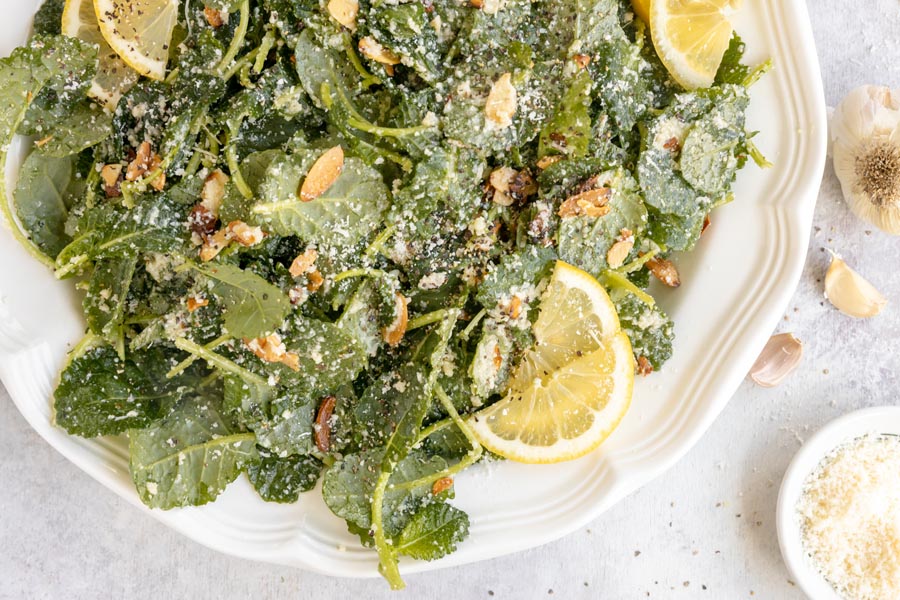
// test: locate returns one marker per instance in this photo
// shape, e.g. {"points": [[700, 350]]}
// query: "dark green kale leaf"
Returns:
{"points": [[571, 27], [61, 64], [189, 457], [66, 128], [101, 394], [155, 224], [584, 241], [48, 19], [253, 306], [568, 132], [105, 301], [43, 196], [526, 267], [349, 484], [433, 532], [650, 330], [346, 213], [406, 30], [732, 70], [282, 480]]}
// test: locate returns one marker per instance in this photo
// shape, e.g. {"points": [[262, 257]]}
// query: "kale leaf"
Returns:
{"points": [[433, 532]]}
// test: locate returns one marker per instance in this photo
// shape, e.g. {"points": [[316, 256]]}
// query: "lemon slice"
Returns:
{"points": [[573, 387], [691, 37], [113, 77], [139, 31], [642, 9]]}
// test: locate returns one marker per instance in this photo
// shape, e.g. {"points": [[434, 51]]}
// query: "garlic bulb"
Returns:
{"points": [[850, 293], [865, 133]]}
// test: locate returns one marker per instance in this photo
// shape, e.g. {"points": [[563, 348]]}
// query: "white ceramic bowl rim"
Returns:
{"points": [[882, 420]]}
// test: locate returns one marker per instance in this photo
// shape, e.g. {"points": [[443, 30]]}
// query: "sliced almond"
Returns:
{"points": [[393, 333], [779, 358], [665, 271], [546, 161], [213, 191], [111, 175], [502, 102], [214, 244], [214, 18], [618, 252], [314, 281], [850, 293], [291, 360], [344, 12], [194, 303], [373, 50], [592, 203], [644, 367], [304, 263], [441, 485], [324, 172], [270, 348], [43, 141], [502, 177], [514, 307], [582, 60], [141, 162], [245, 235], [322, 426]]}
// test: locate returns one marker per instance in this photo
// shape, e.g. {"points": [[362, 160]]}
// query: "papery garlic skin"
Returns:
{"points": [[865, 135]]}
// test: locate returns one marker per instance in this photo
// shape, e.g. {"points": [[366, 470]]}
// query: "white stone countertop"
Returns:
{"points": [[705, 529]]}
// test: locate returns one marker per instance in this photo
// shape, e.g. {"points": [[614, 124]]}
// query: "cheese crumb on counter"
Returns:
{"points": [[850, 518]]}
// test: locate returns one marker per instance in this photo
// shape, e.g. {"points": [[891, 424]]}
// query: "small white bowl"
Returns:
{"points": [[880, 420]]}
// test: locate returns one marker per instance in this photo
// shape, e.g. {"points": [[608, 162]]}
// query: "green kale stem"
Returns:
{"points": [[640, 261], [465, 333], [618, 281], [234, 168], [357, 121], [758, 157], [380, 240], [262, 52], [758, 72], [427, 319], [183, 365], [471, 457], [359, 273], [368, 79], [387, 555], [218, 361], [240, 35]]}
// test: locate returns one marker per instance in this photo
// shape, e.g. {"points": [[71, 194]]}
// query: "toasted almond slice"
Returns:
{"points": [[778, 359], [141, 163], [373, 50], [324, 172], [850, 293], [194, 303], [344, 12], [618, 252], [245, 235], [314, 281], [291, 360], [322, 427], [501, 103], [304, 263], [441, 485], [582, 60], [546, 161], [502, 177], [644, 367], [393, 333], [213, 191], [665, 271], [214, 244], [214, 18], [591, 203], [270, 348]]}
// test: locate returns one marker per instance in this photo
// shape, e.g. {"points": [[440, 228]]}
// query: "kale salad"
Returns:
{"points": [[312, 250]]}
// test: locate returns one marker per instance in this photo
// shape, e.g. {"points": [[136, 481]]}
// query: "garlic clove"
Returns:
{"points": [[865, 144], [850, 293], [778, 359]]}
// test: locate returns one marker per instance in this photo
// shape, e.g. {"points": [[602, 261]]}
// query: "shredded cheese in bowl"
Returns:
{"points": [[849, 515]]}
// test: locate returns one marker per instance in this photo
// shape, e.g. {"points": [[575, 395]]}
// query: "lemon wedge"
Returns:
{"points": [[113, 77], [642, 9], [139, 31], [573, 387], [691, 37]]}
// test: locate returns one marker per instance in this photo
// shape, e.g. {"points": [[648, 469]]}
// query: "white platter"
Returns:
{"points": [[881, 420], [736, 285]]}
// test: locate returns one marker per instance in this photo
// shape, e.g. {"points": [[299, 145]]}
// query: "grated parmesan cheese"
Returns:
{"points": [[850, 518]]}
